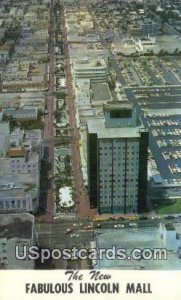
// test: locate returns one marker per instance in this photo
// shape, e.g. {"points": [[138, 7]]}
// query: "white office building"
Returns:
{"points": [[94, 70]]}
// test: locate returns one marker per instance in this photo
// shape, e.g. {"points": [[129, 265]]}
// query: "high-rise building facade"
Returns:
{"points": [[149, 27], [117, 160]]}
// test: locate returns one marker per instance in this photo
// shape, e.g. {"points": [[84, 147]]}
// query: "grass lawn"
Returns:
{"points": [[172, 208]]}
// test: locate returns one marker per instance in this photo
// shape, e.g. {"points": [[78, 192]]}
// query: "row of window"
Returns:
{"points": [[117, 147], [122, 154], [19, 171], [118, 196], [117, 202], [23, 166], [12, 204], [118, 165], [105, 179]]}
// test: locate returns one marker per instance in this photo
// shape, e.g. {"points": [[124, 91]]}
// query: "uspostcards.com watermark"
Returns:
{"points": [[74, 253]]}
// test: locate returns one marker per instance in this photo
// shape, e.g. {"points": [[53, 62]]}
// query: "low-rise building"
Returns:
{"points": [[169, 236], [5, 53], [94, 70], [28, 100], [17, 231], [4, 138], [19, 169], [100, 93], [21, 114], [19, 193]]}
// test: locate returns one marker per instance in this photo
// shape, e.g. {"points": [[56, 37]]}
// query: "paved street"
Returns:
{"points": [[82, 200], [53, 235], [48, 132]]}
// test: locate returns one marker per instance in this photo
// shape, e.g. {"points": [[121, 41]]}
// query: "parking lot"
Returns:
{"points": [[164, 124], [150, 71]]}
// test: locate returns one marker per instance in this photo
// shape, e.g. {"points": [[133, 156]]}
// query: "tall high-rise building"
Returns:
{"points": [[117, 160], [149, 27], [148, 3]]}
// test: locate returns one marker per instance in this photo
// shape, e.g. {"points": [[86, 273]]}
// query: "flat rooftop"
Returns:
{"points": [[85, 63], [101, 92], [16, 225], [170, 227], [24, 113], [86, 49], [117, 105], [144, 236], [98, 126], [17, 178], [166, 42]]}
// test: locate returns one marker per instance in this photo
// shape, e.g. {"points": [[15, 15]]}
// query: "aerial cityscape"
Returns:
{"points": [[90, 131]]}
